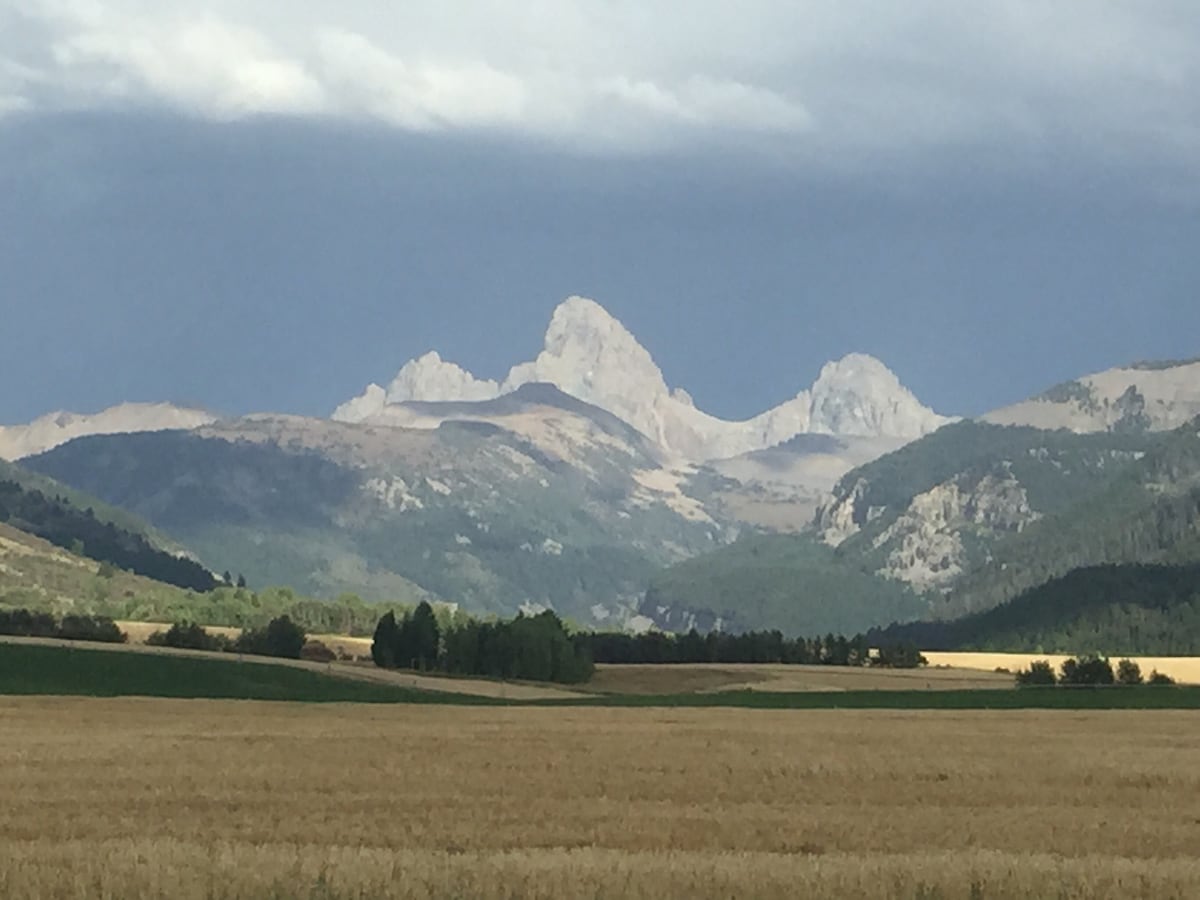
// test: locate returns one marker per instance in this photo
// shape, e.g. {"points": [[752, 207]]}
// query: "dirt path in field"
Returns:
{"points": [[357, 671]]}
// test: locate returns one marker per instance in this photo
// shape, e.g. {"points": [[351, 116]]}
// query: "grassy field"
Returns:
{"points": [[29, 666], [39, 668], [37, 575], [215, 799], [86, 673]]}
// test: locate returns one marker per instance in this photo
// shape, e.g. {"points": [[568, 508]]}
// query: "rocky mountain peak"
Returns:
{"points": [[859, 396], [590, 355], [432, 379]]}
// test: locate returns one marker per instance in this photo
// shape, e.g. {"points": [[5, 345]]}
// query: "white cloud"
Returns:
{"points": [[824, 81], [422, 95]]}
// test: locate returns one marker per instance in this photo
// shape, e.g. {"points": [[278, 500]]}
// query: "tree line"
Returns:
{"points": [[57, 520], [23, 623], [540, 648], [531, 648], [1088, 671], [748, 647], [280, 637]]}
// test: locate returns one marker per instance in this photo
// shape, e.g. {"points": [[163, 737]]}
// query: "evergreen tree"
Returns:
{"points": [[425, 636], [383, 645]]}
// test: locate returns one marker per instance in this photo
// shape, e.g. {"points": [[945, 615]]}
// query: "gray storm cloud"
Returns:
{"points": [[817, 81]]}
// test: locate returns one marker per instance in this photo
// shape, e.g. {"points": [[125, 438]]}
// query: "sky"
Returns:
{"points": [[267, 204]]}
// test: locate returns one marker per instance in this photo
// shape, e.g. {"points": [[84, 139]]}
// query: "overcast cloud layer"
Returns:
{"points": [[828, 84], [265, 204]]}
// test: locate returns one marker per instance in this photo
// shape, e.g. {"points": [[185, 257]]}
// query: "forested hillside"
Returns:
{"points": [[61, 523], [1148, 512], [1054, 467], [42, 578], [36, 481], [792, 583], [1113, 610], [467, 512]]}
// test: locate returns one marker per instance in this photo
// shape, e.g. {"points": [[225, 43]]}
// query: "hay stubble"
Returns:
{"points": [[235, 799]]}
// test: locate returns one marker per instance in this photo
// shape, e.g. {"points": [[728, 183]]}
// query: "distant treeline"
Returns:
{"points": [[1148, 610], [539, 648], [531, 648], [280, 637], [1089, 671], [58, 521], [747, 647], [23, 623]]}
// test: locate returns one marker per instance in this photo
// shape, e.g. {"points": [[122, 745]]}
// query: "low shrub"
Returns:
{"points": [[1087, 671], [315, 651], [1039, 673], [1129, 673], [189, 636], [282, 637]]}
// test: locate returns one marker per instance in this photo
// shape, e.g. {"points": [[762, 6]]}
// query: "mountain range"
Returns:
{"points": [[583, 482], [589, 355]]}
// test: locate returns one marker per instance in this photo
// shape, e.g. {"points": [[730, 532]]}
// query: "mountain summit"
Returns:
{"points": [[590, 355]]}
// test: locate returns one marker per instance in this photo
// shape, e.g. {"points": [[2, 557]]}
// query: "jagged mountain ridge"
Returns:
{"points": [[977, 511], [533, 499], [962, 520], [590, 355], [623, 495]]}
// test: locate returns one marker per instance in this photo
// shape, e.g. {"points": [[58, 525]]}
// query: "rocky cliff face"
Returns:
{"points": [[53, 429], [926, 546], [592, 356], [938, 508]]}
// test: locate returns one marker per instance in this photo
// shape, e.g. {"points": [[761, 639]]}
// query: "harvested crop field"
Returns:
{"points": [[190, 799], [684, 678]]}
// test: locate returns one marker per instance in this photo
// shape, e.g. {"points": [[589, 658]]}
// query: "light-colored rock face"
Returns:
{"points": [[53, 429], [925, 546], [1133, 399], [593, 357], [589, 354], [860, 396]]}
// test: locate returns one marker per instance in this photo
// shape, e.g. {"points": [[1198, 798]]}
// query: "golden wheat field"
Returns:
{"points": [[1184, 669], [133, 798]]}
